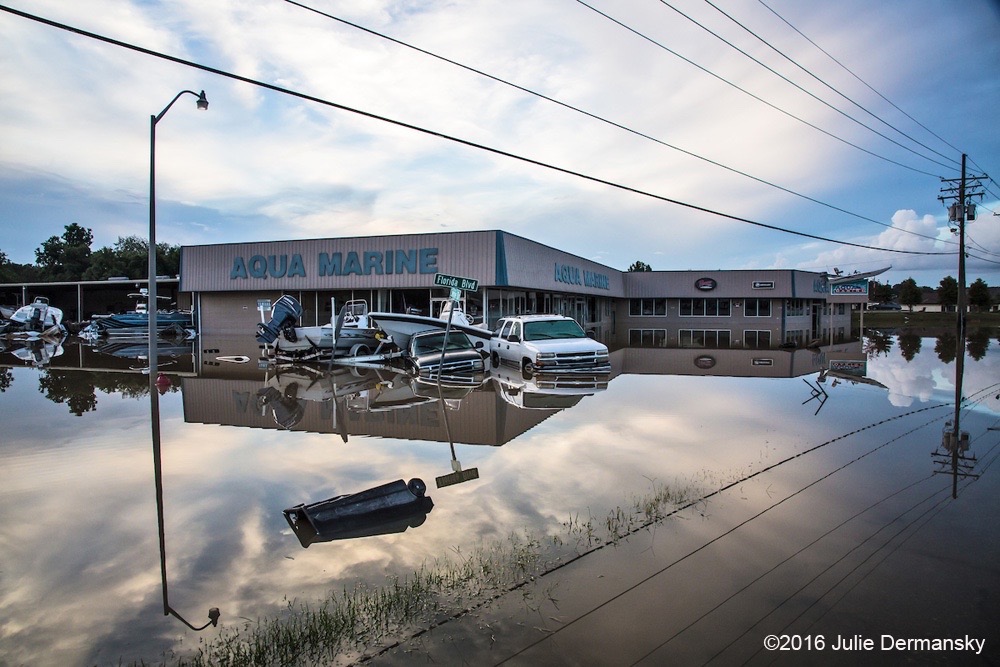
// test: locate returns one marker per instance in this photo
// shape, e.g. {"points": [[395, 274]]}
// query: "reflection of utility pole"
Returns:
{"points": [[954, 458], [817, 393], [154, 408]]}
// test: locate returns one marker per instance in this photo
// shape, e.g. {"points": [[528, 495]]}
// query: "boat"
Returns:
{"points": [[400, 327], [37, 319], [136, 322], [349, 335]]}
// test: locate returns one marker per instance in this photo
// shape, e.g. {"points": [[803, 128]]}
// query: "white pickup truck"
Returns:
{"points": [[547, 344]]}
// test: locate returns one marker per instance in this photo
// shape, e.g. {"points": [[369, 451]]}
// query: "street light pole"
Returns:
{"points": [[151, 297]]}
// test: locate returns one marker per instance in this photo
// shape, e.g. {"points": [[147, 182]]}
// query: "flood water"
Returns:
{"points": [[697, 504]]}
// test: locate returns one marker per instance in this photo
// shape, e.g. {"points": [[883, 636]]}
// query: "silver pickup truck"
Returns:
{"points": [[547, 344]]}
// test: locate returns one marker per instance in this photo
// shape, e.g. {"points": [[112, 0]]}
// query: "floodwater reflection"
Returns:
{"points": [[688, 507]]}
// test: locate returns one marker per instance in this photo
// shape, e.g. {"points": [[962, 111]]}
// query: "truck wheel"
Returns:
{"points": [[495, 360], [527, 369]]}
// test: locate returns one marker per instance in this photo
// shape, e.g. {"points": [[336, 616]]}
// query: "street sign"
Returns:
{"points": [[456, 282], [263, 304]]}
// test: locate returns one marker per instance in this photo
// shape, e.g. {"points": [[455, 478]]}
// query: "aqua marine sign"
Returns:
{"points": [[572, 275], [365, 263]]}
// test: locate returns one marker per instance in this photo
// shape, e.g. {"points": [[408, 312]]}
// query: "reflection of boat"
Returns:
{"points": [[136, 322], [401, 326], [351, 389], [38, 351], [381, 510], [349, 335], [36, 319], [138, 348]]}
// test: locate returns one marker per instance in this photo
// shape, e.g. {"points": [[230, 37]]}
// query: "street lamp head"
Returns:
{"points": [[202, 101]]}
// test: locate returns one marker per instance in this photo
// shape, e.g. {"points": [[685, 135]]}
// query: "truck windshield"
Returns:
{"points": [[432, 342], [550, 329]]}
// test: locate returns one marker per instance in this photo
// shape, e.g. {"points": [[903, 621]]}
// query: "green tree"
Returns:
{"points": [[909, 294], [66, 257], [879, 292], [639, 265], [979, 295], [130, 257], [948, 293]]}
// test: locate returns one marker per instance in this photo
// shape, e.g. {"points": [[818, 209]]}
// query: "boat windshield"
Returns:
{"points": [[432, 342], [552, 329]]}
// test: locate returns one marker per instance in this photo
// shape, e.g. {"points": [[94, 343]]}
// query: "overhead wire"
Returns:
{"points": [[750, 94], [862, 81], [448, 137], [807, 92], [754, 517], [600, 118]]}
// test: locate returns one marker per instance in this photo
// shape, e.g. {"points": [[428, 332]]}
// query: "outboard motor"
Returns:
{"points": [[37, 320], [284, 314]]}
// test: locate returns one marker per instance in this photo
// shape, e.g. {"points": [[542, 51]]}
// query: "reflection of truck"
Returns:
{"points": [[547, 344], [546, 392]]}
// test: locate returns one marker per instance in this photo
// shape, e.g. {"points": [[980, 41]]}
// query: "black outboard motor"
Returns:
{"points": [[285, 313]]}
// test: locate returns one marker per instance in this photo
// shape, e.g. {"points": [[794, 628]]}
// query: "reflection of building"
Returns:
{"points": [[482, 418], [740, 363]]}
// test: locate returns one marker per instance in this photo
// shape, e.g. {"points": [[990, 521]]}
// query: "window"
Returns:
{"points": [[705, 307], [757, 308], [796, 307], [703, 338], [647, 337], [647, 307], [757, 339]]}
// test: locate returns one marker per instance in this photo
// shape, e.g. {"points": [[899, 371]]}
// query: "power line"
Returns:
{"points": [[848, 70], [747, 92], [602, 119], [452, 138], [832, 88]]}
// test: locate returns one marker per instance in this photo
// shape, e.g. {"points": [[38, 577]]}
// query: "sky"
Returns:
{"points": [[687, 134]]}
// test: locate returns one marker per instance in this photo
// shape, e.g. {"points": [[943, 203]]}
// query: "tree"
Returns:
{"points": [[879, 292], [66, 257], [948, 293], [909, 294], [639, 265], [130, 257], [979, 295]]}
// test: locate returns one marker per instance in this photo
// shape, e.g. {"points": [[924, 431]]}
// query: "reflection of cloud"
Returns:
{"points": [[89, 485], [924, 379]]}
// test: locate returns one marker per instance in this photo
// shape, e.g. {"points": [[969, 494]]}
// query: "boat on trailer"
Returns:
{"points": [[35, 320], [349, 335], [400, 327], [136, 322]]}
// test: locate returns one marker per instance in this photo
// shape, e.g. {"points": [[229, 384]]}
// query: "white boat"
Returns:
{"points": [[350, 335], [36, 319], [401, 326]]}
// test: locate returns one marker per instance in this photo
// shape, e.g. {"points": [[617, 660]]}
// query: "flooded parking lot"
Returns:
{"points": [[698, 507]]}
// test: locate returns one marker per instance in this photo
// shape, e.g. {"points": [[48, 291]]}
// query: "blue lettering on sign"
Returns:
{"points": [[572, 275], [352, 263]]}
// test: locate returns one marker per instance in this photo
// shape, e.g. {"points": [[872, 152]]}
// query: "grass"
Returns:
{"points": [[905, 318], [350, 624]]}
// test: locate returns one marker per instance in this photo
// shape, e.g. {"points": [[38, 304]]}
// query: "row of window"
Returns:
{"points": [[716, 307], [697, 338]]}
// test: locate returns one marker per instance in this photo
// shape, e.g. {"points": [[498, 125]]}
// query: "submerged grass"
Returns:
{"points": [[351, 623]]}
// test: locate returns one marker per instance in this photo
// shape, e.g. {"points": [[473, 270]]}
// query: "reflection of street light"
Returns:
{"points": [[152, 298], [213, 613]]}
